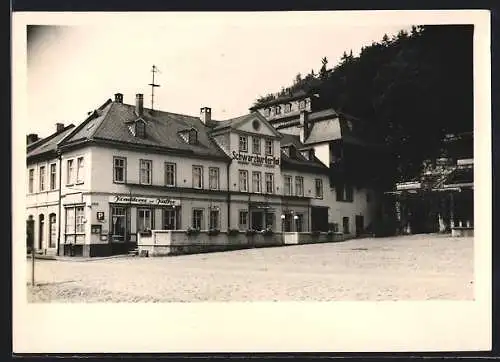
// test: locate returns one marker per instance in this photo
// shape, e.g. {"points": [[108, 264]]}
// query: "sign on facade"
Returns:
{"points": [[259, 160], [144, 200], [100, 215]]}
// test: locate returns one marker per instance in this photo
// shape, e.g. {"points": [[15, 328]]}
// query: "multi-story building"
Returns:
{"points": [[126, 169]]}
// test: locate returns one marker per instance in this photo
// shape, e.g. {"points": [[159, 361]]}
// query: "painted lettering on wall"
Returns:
{"points": [[268, 160], [144, 200]]}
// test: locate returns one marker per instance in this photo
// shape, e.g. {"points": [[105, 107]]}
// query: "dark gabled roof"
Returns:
{"points": [[48, 144], [111, 123], [296, 160]]}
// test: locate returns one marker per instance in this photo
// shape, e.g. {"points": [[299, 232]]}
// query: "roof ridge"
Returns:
{"points": [[43, 141]]}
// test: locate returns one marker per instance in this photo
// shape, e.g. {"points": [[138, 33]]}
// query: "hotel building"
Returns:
{"points": [[93, 187]]}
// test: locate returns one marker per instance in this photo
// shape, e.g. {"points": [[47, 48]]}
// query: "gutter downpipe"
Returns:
{"points": [[59, 204], [228, 198]]}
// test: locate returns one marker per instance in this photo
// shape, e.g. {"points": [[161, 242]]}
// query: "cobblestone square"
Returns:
{"points": [[418, 267]]}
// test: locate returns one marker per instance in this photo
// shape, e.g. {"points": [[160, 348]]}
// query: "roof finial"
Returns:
{"points": [[153, 85]]}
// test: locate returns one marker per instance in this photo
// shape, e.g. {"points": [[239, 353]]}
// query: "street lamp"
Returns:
{"points": [[282, 222]]}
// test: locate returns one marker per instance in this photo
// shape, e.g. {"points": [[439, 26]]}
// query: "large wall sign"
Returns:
{"points": [[144, 200], [268, 160]]}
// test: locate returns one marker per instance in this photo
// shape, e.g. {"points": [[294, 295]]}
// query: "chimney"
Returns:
{"points": [[304, 126], [32, 137], [139, 104], [118, 97], [206, 115], [59, 127]]}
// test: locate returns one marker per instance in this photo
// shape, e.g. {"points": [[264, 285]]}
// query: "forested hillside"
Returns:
{"points": [[415, 87]]}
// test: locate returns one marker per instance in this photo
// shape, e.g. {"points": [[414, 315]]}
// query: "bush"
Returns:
{"points": [[213, 232], [233, 232], [192, 231], [267, 232]]}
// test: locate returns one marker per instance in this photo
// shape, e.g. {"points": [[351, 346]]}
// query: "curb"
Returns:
{"points": [[79, 258]]}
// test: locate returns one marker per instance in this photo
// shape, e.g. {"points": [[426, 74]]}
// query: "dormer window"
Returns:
{"points": [[288, 107], [302, 104], [278, 110], [140, 129], [305, 154], [193, 137], [286, 151], [267, 112]]}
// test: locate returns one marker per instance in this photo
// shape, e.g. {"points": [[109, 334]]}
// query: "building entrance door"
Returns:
{"points": [[319, 219], [359, 224], [257, 220], [30, 232]]}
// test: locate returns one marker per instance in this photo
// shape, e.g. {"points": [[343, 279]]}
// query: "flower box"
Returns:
{"points": [[145, 233], [233, 232], [213, 232], [192, 231], [250, 232]]}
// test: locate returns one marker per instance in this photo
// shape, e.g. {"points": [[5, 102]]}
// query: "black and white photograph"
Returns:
{"points": [[263, 166]]}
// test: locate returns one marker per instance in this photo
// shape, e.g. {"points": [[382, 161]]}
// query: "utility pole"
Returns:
{"points": [[153, 85]]}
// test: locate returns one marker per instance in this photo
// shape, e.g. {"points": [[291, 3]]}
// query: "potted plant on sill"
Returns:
{"points": [[213, 232], [233, 232], [145, 232], [192, 231]]}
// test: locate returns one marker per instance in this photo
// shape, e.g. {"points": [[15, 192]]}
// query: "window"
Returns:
{"points": [[256, 145], [267, 112], [198, 177], [193, 137], [70, 172], [299, 186], [243, 144], [214, 219], [344, 192], [302, 104], [345, 225], [298, 223], [288, 185], [53, 176], [75, 220], [169, 219], [243, 176], [278, 110], [42, 178], [197, 218], [79, 170], [80, 219], [286, 151], [243, 220], [120, 222], [213, 178], [144, 219], [119, 168], [145, 172], [140, 129], [318, 183], [256, 181], [269, 183], [288, 108], [31, 180], [269, 147], [170, 174], [269, 220]]}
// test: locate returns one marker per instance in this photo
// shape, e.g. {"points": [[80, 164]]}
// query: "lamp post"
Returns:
{"points": [[295, 218], [282, 222]]}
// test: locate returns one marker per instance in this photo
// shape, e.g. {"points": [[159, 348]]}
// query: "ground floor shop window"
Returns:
{"points": [[214, 219], [243, 220], [170, 219], [75, 221], [299, 220], [120, 227], [197, 219], [270, 220], [144, 220]]}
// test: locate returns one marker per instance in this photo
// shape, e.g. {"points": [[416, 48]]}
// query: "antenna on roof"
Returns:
{"points": [[153, 85]]}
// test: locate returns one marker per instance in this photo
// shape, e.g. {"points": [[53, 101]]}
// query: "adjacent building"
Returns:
{"points": [[125, 169]]}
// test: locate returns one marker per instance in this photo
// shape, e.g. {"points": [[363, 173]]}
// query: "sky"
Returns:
{"points": [[220, 61]]}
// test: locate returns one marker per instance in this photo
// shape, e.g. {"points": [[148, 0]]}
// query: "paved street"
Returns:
{"points": [[418, 267]]}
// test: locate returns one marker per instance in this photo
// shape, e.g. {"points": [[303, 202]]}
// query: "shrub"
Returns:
{"points": [[250, 232], [267, 232], [213, 232], [192, 231]]}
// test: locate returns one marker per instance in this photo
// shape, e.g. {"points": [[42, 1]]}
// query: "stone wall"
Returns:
{"points": [[175, 242]]}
